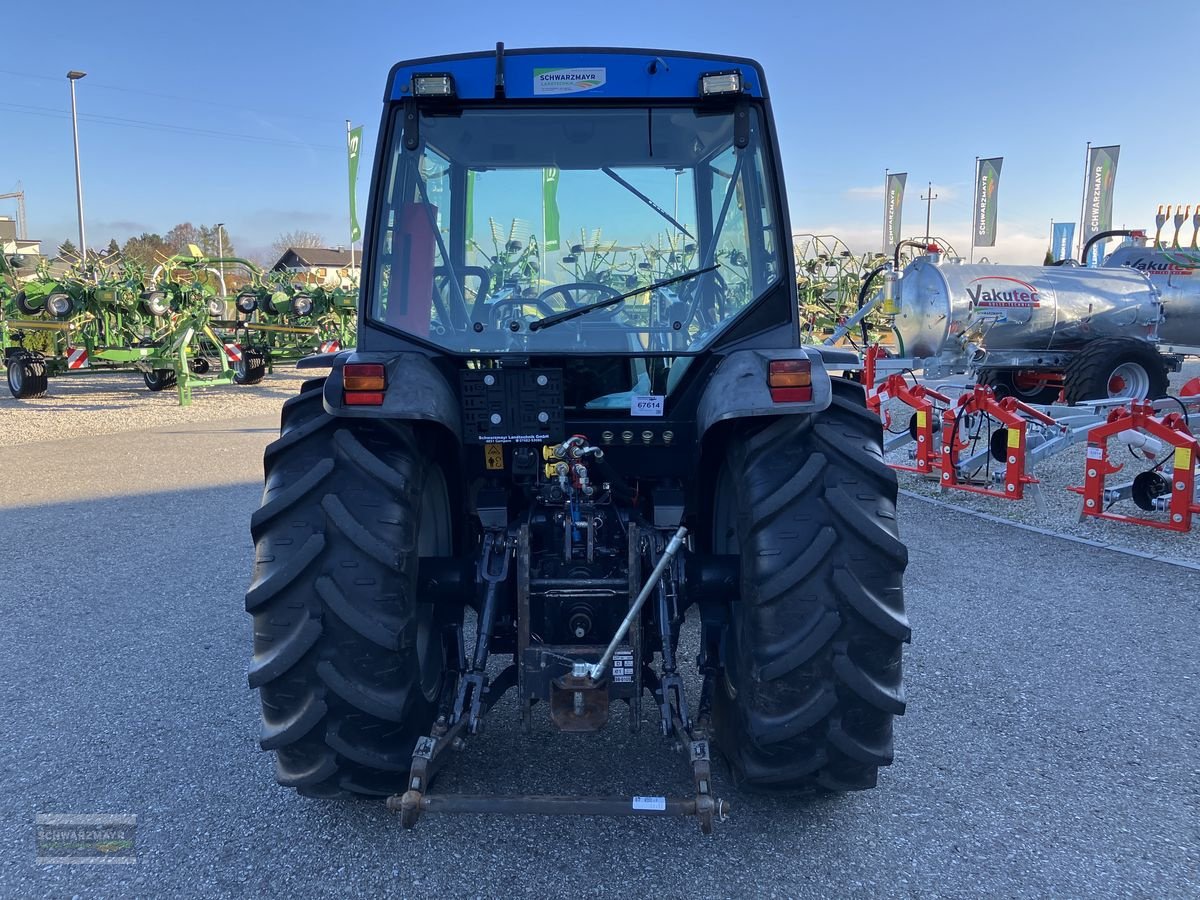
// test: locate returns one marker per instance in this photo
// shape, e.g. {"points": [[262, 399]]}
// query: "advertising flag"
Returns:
{"points": [[550, 208], [1062, 239], [987, 182], [893, 201], [353, 145], [1098, 197]]}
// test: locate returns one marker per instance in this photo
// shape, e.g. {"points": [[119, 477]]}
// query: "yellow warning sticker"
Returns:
{"points": [[493, 456], [922, 416], [1014, 437], [1183, 458]]}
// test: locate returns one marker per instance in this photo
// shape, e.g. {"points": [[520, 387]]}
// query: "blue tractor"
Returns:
{"points": [[579, 413]]}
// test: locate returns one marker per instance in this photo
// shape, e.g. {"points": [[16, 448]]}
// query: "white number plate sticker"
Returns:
{"points": [[646, 405], [656, 803]]}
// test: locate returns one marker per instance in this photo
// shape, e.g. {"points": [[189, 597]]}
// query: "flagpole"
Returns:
{"points": [[350, 271], [885, 211], [1087, 155], [975, 211]]}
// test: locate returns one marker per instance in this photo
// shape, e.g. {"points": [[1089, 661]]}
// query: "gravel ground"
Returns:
{"points": [[1061, 514], [111, 402], [1048, 749]]}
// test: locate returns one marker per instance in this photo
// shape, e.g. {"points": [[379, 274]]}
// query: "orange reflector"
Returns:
{"points": [[363, 377], [791, 379]]}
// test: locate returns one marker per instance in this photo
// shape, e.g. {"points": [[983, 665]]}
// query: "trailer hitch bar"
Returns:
{"points": [[550, 805]]}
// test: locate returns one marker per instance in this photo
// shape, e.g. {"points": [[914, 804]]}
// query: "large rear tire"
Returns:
{"points": [[1115, 367], [813, 657], [347, 662]]}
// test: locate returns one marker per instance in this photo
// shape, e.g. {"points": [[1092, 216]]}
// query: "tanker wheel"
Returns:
{"points": [[160, 379], [1024, 384], [347, 662], [251, 368], [27, 376], [1118, 368], [812, 660]]}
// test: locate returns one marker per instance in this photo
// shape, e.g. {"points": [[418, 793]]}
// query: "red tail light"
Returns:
{"points": [[790, 380], [364, 384]]}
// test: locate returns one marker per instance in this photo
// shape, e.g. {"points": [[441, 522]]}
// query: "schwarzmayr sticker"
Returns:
{"points": [[567, 81]]}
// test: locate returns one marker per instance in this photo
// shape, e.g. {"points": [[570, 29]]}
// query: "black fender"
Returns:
{"points": [[738, 388], [416, 391]]}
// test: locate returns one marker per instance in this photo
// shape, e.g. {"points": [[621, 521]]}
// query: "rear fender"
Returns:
{"points": [[416, 391], [738, 389]]}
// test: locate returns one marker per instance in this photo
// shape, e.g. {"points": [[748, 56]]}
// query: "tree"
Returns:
{"points": [[296, 239], [147, 249], [66, 248], [112, 248], [181, 235], [1049, 260]]}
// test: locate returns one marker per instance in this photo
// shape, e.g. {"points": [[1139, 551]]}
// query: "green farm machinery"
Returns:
{"points": [[171, 324], [279, 320], [115, 316]]}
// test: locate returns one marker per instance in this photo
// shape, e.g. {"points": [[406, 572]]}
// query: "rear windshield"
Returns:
{"points": [[502, 217]]}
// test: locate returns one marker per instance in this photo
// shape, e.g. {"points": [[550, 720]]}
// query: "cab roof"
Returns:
{"points": [[565, 73]]}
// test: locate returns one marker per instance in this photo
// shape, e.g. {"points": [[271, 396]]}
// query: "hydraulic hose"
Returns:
{"points": [[1105, 235], [862, 298], [908, 242]]}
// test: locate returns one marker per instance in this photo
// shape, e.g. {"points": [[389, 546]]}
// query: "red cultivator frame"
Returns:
{"points": [[1151, 489]]}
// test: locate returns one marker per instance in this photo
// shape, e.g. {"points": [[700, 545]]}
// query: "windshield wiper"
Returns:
{"points": [[568, 314]]}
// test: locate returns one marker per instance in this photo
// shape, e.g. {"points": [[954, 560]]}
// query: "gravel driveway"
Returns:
{"points": [[1049, 748]]}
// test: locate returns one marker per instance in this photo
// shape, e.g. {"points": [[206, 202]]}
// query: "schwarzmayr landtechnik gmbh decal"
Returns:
{"points": [[568, 81]]}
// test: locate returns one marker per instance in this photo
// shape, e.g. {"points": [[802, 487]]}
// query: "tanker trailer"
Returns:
{"points": [[1030, 331], [1175, 273]]}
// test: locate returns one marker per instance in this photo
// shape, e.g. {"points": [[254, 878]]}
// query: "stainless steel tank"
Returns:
{"points": [[1176, 274], [944, 305]]}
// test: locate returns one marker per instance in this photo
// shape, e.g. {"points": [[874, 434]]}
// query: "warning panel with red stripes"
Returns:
{"points": [[77, 358], [331, 346], [234, 352]]}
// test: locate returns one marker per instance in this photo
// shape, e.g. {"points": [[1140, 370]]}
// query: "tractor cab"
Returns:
{"points": [[619, 205]]}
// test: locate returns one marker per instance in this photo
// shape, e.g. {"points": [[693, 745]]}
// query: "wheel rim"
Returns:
{"points": [[1129, 381], [16, 376]]}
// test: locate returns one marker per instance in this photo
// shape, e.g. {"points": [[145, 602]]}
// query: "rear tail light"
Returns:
{"points": [[790, 380], [364, 384]]}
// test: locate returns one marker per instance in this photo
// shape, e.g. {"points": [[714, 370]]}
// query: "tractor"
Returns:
{"points": [[559, 487]]}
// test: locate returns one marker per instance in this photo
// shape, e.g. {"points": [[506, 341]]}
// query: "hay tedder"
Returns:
{"points": [[527, 479], [172, 324]]}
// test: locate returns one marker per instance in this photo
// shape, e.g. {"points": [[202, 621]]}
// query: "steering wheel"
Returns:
{"points": [[570, 299]]}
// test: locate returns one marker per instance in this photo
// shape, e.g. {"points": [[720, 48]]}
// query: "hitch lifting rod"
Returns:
{"points": [[594, 672]]}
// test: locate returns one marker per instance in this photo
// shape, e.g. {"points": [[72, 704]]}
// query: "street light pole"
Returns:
{"points": [[221, 256], [74, 76]]}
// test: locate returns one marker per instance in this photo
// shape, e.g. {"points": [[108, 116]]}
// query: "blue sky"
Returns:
{"points": [[186, 118]]}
